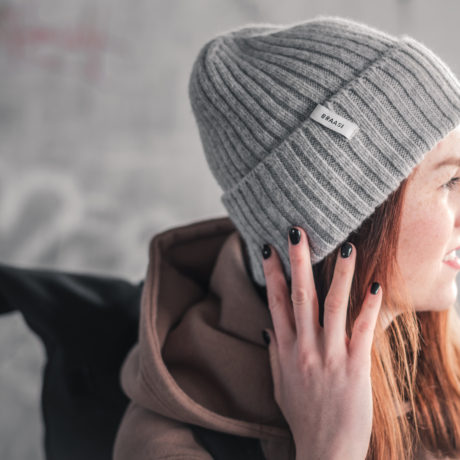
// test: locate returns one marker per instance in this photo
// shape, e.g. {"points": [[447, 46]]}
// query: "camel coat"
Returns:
{"points": [[200, 362]]}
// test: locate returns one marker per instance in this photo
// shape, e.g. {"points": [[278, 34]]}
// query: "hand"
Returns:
{"points": [[321, 377]]}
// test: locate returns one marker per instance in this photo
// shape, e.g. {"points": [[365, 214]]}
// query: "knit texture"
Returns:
{"points": [[253, 91]]}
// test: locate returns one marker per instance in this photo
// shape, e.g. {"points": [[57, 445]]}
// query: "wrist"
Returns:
{"points": [[305, 453]]}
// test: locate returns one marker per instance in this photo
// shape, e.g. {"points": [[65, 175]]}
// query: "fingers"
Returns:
{"points": [[303, 289], [336, 302], [362, 334], [295, 315], [278, 297], [274, 363]]}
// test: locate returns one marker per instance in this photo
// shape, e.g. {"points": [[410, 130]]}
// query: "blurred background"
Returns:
{"points": [[98, 147]]}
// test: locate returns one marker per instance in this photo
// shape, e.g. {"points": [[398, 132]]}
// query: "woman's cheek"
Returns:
{"points": [[423, 236]]}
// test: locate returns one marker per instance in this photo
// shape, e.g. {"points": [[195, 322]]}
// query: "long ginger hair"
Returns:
{"points": [[415, 359]]}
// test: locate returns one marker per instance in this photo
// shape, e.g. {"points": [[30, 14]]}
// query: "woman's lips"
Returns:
{"points": [[453, 263]]}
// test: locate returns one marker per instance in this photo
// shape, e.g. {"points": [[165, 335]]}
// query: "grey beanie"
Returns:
{"points": [[315, 124]]}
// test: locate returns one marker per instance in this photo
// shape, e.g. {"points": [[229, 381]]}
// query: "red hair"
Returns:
{"points": [[416, 359]]}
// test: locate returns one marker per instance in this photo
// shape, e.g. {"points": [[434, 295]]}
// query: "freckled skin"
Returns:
{"points": [[430, 228]]}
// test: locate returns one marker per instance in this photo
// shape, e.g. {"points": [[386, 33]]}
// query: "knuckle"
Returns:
{"points": [[332, 304], [276, 297], [276, 301], [332, 361], [299, 296], [306, 360], [362, 325], [329, 363]]}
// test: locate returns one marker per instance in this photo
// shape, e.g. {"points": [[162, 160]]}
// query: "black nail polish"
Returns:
{"points": [[345, 250], [294, 235], [375, 287], [266, 336], [266, 251]]}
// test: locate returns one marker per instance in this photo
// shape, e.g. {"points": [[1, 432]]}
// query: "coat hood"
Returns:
{"points": [[200, 358]]}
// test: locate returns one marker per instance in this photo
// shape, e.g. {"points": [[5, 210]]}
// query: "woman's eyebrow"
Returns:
{"points": [[446, 162]]}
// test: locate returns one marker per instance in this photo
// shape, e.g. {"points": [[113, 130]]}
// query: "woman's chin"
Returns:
{"points": [[441, 302]]}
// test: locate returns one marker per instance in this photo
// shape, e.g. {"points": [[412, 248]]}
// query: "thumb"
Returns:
{"points": [[270, 339]]}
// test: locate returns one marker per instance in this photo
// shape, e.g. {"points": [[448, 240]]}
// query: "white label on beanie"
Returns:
{"points": [[334, 121]]}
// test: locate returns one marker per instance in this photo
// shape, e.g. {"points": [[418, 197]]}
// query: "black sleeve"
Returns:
{"points": [[87, 324]]}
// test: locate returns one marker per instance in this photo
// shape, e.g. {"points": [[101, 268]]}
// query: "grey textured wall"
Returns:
{"points": [[98, 147]]}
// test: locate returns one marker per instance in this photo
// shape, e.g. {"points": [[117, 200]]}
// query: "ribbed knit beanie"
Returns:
{"points": [[315, 124]]}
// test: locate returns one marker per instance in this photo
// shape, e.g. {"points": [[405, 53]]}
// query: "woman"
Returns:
{"points": [[429, 229], [330, 132]]}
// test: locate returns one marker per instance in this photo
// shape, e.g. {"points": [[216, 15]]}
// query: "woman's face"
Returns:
{"points": [[430, 227]]}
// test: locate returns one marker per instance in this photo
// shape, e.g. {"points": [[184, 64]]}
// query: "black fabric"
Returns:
{"points": [[224, 446], [87, 324]]}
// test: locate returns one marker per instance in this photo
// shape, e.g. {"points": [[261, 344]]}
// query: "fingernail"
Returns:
{"points": [[345, 250], [266, 251], [266, 336], [294, 235], [375, 287]]}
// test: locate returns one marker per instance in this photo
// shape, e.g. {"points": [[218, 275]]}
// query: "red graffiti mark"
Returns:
{"points": [[27, 41], [66, 39]]}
